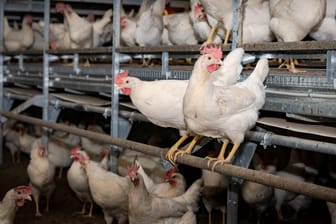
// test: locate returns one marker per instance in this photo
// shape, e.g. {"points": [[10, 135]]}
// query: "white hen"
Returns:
{"points": [[41, 174], [108, 190], [326, 30], [149, 26], [219, 110], [12, 200]]}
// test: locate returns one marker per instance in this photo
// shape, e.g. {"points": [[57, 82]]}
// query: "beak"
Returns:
{"points": [[28, 197]]}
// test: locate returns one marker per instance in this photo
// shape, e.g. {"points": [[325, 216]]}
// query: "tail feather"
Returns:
{"points": [[191, 197], [261, 70]]}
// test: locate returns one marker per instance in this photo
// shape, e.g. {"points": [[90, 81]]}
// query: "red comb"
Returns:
{"points": [[59, 6], [170, 173], [104, 151], [25, 189], [198, 8], [213, 49], [75, 149], [132, 170], [40, 145], [119, 78]]}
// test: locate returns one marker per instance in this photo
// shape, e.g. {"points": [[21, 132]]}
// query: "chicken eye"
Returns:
{"points": [[209, 58], [127, 81], [19, 192]]}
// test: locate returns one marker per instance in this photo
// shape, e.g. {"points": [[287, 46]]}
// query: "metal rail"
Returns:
{"points": [[312, 190]]}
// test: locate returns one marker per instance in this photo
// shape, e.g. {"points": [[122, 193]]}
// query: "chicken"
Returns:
{"points": [[58, 151], [332, 210], [180, 30], [256, 22], [216, 109], [200, 23], [99, 26], [214, 192], [80, 30], [67, 138], [256, 195], [174, 184], [11, 142], [227, 74], [148, 208], [293, 20], [188, 218], [149, 26], [219, 15], [78, 180], [41, 174], [22, 39], [92, 147], [108, 190], [13, 199], [326, 30], [127, 31]]}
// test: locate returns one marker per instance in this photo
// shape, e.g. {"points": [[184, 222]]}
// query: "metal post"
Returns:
{"points": [[235, 23], [45, 115], [2, 4], [115, 70], [165, 63], [331, 67]]}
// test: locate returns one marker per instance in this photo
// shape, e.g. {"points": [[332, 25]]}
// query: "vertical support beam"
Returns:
{"points": [[331, 67], [2, 6], [45, 113], [114, 91], [165, 64], [235, 23]]}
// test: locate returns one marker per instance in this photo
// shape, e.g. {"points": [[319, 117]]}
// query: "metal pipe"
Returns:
{"points": [[268, 138], [2, 4], [300, 187]]}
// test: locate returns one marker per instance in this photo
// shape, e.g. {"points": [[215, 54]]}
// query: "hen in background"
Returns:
{"points": [[149, 26], [78, 180], [13, 199], [326, 30], [148, 208], [41, 174], [80, 30], [200, 23], [173, 185], [21, 39], [108, 190], [214, 192], [293, 20]]}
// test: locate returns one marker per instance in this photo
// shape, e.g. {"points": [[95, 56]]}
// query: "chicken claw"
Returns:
{"points": [[174, 148], [189, 148], [228, 159], [221, 153]]}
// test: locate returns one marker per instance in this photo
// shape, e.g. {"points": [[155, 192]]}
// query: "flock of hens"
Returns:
{"points": [[211, 103]]}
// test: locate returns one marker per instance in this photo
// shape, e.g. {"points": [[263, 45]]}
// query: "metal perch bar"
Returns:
{"points": [[313, 190]]}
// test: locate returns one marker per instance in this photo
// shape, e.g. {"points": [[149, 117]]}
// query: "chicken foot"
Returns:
{"points": [[174, 148], [210, 37], [228, 159], [37, 207], [221, 153], [227, 36], [189, 149], [290, 65]]}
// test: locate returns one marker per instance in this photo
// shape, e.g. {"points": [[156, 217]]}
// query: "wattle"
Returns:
{"points": [[212, 67], [126, 91]]}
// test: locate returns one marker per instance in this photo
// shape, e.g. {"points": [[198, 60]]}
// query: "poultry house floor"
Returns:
{"points": [[64, 204]]}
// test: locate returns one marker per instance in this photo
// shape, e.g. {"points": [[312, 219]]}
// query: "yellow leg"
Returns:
{"points": [[37, 207], [227, 36], [223, 217], [189, 148], [174, 148], [83, 209], [221, 153], [90, 211], [210, 217], [210, 37], [47, 207], [228, 158]]}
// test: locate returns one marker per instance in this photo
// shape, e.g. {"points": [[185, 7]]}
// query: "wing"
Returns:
{"points": [[234, 99]]}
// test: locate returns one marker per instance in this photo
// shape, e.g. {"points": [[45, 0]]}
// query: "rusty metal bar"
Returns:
{"points": [[312, 190]]}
